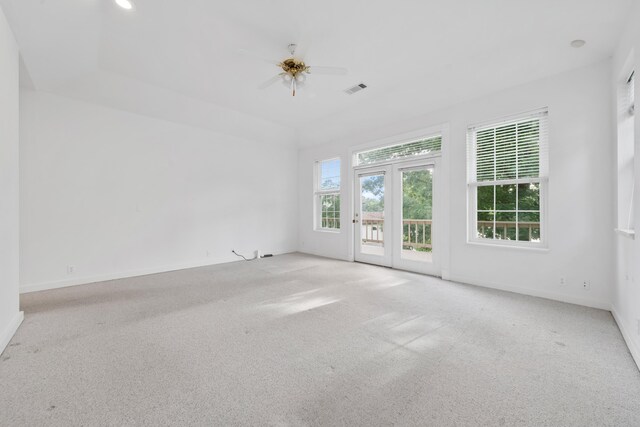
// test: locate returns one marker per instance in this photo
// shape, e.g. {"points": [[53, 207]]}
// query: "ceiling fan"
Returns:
{"points": [[294, 71]]}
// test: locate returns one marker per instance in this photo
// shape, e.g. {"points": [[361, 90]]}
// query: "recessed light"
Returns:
{"points": [[125, 4], [578, 43]]}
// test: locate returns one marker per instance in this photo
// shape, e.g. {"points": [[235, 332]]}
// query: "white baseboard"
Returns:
{"points": [[57, 284], [10, 330], [587, 302], [634, 349]]}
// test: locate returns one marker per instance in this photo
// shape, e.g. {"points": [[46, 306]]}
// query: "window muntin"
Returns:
{"points": [[327, 195], [507, 172], [418, 147]]}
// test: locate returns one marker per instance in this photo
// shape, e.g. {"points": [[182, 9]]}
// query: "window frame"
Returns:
{"points": [[630, 89], [626, 153], [399, 143], [542, 180], [318, 193]]}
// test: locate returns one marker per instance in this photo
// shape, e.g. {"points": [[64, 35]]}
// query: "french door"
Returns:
{"points": [[395, 216]]}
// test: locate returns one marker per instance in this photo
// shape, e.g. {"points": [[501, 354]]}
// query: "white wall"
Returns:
{"points": [[580, 190], [10, 316], [117, 194], [626, 294]]}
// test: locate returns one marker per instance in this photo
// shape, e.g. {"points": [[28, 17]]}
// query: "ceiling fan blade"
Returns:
{"points": [[336, 71], [271, 81], [258, 56]]}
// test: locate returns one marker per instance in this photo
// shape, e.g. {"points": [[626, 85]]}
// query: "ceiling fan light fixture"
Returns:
{"points": [[294, 71], [125, 4]]}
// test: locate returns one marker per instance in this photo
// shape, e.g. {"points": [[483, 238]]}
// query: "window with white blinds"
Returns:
{"points": [[507, 172], [418, 147]]}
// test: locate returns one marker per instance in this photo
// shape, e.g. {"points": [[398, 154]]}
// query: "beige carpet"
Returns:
{"points": [[299, 340]]}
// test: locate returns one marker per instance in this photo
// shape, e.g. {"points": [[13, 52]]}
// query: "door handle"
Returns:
{"points": [[355, 220]]}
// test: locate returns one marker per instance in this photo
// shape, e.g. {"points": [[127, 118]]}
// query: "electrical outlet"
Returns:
{"points": [[71, 269], [563, 281], [208, 254], [586, 285]]}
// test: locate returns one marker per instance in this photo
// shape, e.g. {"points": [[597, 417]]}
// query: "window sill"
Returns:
{"points": [[539, 249], [327, 230], [626, 232]]}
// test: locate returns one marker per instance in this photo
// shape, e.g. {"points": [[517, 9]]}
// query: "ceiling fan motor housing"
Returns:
{"points": [[293, 66]]}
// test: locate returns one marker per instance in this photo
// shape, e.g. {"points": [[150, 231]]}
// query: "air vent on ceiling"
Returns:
{"points": [[356, 88]]}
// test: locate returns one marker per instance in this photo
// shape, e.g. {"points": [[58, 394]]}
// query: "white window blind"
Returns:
{"points": [[507, 170], [509, 151], [398, 151]]}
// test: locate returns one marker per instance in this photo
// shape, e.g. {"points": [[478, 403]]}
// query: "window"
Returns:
{"points": [[507, 176], [631, 93], [327, 195], [414, 148], [626, 154]]}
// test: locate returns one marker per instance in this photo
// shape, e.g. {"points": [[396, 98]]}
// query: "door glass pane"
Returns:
{"points": [[372, 218], [417, 214]]}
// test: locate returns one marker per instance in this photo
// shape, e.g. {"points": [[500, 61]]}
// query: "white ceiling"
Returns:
{"points": [[430, 53]]}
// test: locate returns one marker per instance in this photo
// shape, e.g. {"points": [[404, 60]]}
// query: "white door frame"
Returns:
{"points": [[393, 214]]}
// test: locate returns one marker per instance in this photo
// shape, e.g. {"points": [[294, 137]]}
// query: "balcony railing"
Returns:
{"points": [[416, 232], [531, 229]]}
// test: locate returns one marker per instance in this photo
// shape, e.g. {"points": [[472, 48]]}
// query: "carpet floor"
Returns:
{"points": [[300, 340]]}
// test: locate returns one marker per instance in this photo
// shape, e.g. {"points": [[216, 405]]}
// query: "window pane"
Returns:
{"points": [[505, 197], [529, 226], [506, 152], [506, 225], [529, 149], [509, 217], [372, 222], [485, 198], [329, 175], [413, 148], [485, 155], [330, 214], [417, 214], [529, 197], [485, 225]]}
